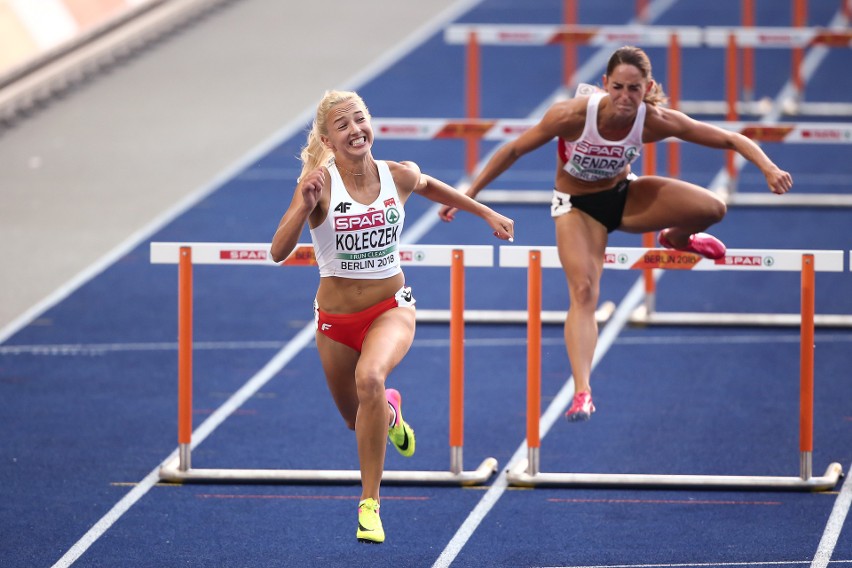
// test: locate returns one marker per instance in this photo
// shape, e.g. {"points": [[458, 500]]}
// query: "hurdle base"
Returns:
{"points": [[641, 316], [171, 472], [519, 477]]}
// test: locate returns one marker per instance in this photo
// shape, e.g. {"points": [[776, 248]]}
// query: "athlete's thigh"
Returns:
{"points": [[387, 341], [338, 363], [656, 202], [581, 242]]}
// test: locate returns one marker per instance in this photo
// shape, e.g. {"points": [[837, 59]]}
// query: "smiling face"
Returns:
{"points": [[348, 128]]}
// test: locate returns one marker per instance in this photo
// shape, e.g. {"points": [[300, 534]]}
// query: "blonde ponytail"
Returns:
{"points": [[315, 154]]}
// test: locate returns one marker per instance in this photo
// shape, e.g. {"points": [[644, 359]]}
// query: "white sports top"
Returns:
{"points": [[357, 240], [592, 157]]}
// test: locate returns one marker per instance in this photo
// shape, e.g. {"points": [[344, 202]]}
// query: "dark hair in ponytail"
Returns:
{"points": [[631, 55]]}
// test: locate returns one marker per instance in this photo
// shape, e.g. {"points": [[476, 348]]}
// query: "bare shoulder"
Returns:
{"points": [[662, 122], [568, 112], [564, 119], [406, 174]]}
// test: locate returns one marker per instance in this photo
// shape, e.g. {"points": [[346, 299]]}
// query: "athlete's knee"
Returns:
{"points": [[715, 210], [583, 292], [370, 384]]}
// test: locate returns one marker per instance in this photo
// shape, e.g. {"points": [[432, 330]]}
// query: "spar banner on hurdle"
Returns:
{"points": [[637, 258], [507, 129], [303, 254]]}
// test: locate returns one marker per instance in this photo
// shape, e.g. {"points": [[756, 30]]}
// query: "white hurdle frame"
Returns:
{"points": [[185, 255], [526, 473]]}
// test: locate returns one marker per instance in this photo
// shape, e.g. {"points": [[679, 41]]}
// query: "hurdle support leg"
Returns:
{"points": [[806, 369], [533, 362], [180, 470], [185, 359]]}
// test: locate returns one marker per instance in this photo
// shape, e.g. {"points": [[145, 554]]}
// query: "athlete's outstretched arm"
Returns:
{"points": [[440, 192], [409, 178], [667, 122]]}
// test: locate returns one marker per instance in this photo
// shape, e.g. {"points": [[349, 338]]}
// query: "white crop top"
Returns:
{"points": [[592, 157], [357, 240]]}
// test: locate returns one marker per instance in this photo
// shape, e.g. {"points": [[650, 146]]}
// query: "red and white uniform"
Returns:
{"points": [[357, 240]]}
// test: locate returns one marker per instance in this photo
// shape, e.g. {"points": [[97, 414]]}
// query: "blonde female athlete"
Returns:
{"points": [[599, 136], [354, 205]]}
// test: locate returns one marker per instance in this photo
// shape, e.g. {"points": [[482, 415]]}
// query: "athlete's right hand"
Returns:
{"points": [[311, 187], [447, 213]]}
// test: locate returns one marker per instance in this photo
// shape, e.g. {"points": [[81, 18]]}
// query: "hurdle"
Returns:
{"points": [[185, 255], [526, 473]]}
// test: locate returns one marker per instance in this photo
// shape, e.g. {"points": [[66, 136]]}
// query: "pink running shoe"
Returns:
{"points": [[582, 407], [706, 245]]}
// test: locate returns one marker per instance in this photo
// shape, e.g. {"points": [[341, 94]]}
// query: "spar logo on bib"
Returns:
{"points": [[361, 221]]}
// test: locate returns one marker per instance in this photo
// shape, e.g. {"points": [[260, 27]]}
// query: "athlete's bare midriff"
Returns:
{"points": [[338, 295], [566, 183]]}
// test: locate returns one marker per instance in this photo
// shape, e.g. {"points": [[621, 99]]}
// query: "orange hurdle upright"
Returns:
{"points": [[456, 361], [185, 357], [533, 360], [806, 371]]}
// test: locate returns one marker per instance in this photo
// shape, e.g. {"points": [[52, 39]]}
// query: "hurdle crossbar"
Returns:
{"points": [[498, 129], [187, 254], [526, 473]]}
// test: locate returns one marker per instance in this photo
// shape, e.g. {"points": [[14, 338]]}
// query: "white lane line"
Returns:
{"points": [[834, 526]]}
